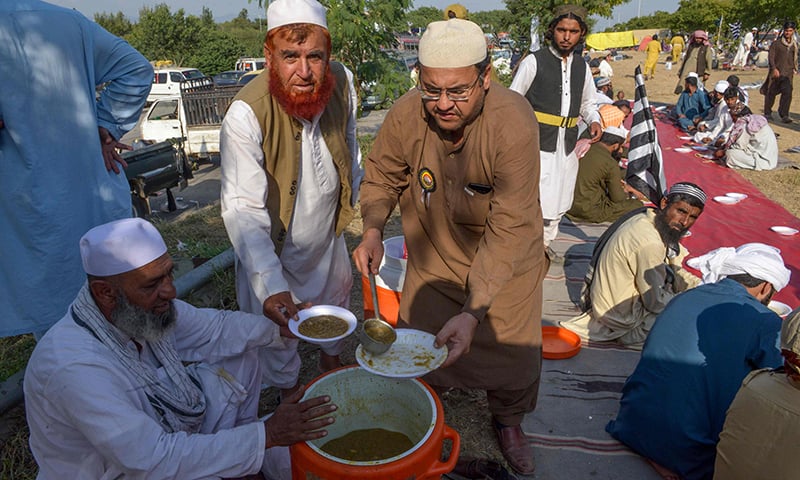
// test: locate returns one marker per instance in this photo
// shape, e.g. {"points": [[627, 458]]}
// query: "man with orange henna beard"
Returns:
{"points": [[290, 177]]}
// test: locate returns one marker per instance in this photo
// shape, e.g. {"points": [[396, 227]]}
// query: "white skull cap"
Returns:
{"points": [[287, 12], [120, 246], [452, 43]]}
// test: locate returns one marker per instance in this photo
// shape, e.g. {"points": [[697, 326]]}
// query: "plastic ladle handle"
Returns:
{"points": [[374, 290]]}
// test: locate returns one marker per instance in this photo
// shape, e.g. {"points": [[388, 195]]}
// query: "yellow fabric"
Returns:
{"points": [[653, 49], [607, 40], [555, 120], [677, 47]]}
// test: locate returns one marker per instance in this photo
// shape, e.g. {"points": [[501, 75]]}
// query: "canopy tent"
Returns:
{"points": [[609, 40]]}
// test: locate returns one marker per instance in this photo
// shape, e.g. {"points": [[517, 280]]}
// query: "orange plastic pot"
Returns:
{"points": [[388, 282], [369, 401]]}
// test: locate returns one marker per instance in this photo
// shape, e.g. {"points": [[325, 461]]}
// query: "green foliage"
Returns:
{"points": [[422, 16], [495, 21], [523, 10], [249, 34], [216, 53], [765, 13], [389, 77], [116, 24], [161, 35], [700, 15], [658, 19]]}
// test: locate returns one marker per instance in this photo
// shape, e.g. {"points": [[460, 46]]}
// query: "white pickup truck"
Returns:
{"points": [[194, 117]]}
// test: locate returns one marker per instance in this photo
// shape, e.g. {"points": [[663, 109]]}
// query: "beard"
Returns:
{"points": [[142, 324], [670, 236], [765, 301], [305, 104], [561, 51]]}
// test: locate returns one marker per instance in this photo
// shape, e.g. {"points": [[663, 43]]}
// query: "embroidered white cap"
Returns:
{"points": [[120, 246], [452, 43], [721, 86], [287, 12], [618, 131]]}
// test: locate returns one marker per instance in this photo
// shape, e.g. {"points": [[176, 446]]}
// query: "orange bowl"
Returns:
{"points": [[559, 343]]}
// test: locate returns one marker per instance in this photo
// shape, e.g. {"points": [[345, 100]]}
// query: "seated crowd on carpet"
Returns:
{"points": [[636, 269], [717, 121], [704, 343], [601, 194], [692, 105], [751, 143]]}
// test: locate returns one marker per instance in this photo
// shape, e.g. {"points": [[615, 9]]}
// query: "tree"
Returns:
{"points": [[658, 19], [116, 24], [422, 16], [249, 34], [700, 15], [217, 52], [160, 35], [495, 21], [765, 13], [523, 10]]}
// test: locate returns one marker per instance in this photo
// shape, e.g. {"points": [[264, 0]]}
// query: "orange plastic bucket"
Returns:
{"points": [[368, 401], [388, 282]]}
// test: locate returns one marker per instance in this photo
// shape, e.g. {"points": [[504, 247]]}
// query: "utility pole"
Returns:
{"points": [[639, 9]]}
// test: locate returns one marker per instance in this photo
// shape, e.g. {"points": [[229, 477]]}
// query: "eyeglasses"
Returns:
{"points": [[460, 94]]}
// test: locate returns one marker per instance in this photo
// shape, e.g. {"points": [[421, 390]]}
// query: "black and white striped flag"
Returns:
{"points": [[645, 166], [736, 29]]}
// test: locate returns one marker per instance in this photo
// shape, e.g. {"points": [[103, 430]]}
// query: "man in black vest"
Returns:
{"points": [[559, 70]]}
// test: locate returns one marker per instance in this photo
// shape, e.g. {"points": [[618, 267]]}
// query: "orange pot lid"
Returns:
{"points": [[558, 343]]}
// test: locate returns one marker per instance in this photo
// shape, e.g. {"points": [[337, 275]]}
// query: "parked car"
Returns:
{"points": [[244, 79], [167, 81], [230, 77], [248, 64]]}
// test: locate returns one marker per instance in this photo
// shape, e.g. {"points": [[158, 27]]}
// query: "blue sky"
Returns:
{"points": [[227, 9]]}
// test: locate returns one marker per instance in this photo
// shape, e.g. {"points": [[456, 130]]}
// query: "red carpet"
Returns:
{"points": [[731, 225]]}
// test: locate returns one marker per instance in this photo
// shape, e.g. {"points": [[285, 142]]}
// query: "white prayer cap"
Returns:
{"points": [[452, 44], [601, 81], [790, 332], [692, 75], [754, 29], [618, 131], [760, 261], [287, 12], [721, 86], [120, 246]]}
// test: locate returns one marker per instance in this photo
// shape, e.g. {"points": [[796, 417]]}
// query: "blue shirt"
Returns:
{"points": [[695, 105], [53, 183], [700, 349]]}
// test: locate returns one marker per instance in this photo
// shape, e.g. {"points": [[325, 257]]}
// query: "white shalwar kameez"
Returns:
{"points": [[314, 264], [89, 417], [718, 127], [560, 168]]}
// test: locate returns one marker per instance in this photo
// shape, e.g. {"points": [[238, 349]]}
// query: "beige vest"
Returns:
{"points": [[282, 145]]}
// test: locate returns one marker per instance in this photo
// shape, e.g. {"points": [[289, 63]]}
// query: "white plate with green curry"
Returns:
{"points": [[323, 324]]}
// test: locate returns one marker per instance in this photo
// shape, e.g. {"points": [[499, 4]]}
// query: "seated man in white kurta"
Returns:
{"points": [[107, 392]]}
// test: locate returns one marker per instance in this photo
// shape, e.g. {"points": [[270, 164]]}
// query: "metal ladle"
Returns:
{"points": [[386, 331]]}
